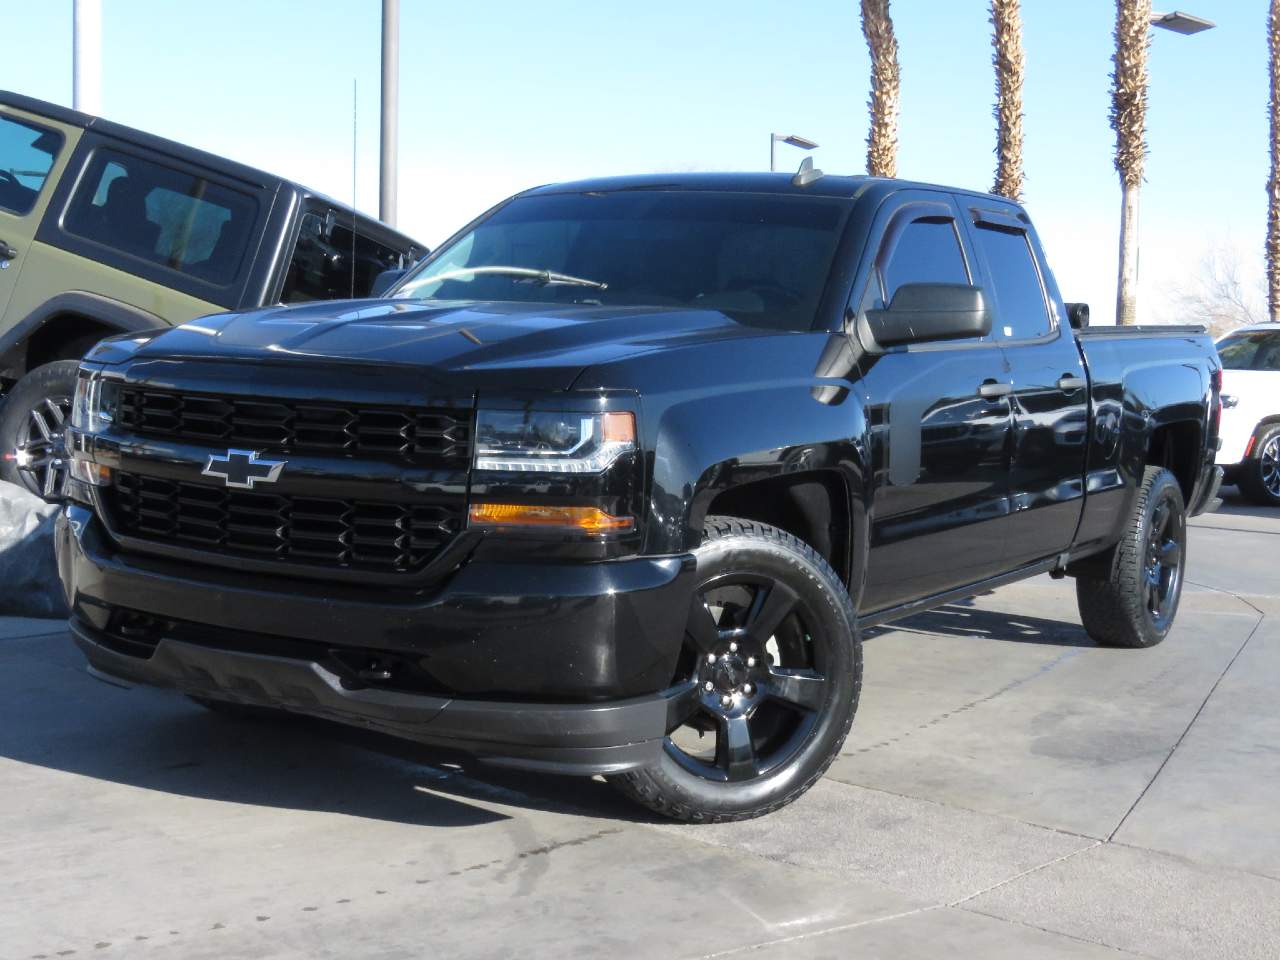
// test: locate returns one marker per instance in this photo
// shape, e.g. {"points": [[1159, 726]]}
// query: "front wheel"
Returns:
{"points": [[1135, 603], [32, 421], [768, 680], [1259, 476]]}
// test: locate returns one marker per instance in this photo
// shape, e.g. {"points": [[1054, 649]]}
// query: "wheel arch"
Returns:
{"points": [[1177, 446], [46, 333]]}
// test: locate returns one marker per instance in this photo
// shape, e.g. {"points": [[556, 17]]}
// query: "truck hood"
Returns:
{"points": [[551, 344]]}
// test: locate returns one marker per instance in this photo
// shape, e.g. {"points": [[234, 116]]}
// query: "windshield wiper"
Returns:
{"points": [[544, 277]]}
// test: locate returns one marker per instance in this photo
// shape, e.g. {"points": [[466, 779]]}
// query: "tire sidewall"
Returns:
{"points": [[52, 379], [1164, 487], [1254, 487], [832, 612]]}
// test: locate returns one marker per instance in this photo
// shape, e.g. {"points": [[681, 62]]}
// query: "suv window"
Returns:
{"points": [[927, 251], [333, 262], [1251, 351], [174, 219], [26, 156], [1013, 276]]}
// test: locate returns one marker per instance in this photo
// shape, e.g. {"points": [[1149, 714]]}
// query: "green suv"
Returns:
{"points": [[105, 230]]}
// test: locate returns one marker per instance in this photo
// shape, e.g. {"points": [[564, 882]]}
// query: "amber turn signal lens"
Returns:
{"points": [[619, 427], [585, 519]]}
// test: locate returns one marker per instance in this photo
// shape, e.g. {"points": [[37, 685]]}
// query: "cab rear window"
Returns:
{"points": [[162, 215], [27, 153]]}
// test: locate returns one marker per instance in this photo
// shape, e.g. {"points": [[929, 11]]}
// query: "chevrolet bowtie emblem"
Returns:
{"points": [[242, 468]]}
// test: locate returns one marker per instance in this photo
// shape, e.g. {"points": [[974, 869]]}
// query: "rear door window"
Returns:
{"points": [[165, 216], [1251, 351], [334, 261], [1022, 311], [27, 153]]}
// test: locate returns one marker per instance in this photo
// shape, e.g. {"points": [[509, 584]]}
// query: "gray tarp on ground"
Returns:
{"points": [[28, 573]]}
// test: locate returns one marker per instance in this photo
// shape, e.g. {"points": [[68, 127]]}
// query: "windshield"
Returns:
{"points": [[1257, 350], [761, 259]]}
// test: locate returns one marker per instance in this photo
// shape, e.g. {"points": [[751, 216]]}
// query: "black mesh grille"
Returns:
{"points": [[350, 534], [419, 435]]}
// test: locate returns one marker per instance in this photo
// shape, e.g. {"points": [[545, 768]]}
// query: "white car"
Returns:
{"points": [[1250, 452]]}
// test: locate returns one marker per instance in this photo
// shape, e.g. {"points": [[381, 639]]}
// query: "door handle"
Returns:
{"points": [[1069, 382], [7, 252], [993, 390]]}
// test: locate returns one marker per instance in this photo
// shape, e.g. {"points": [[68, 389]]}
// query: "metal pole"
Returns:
{"points": [[86, 56], [390, 110], [773, 149]]}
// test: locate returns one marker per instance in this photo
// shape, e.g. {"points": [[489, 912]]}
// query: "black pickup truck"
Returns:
{"points": [[612, 481]]}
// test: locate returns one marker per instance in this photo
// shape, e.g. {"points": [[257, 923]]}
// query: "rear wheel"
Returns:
{"points": [[1259, 476], [769, 680], [31, 428], [1134, 605]]}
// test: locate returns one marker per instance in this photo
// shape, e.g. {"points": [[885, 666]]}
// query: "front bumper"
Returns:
{"points": [[559, 667]]}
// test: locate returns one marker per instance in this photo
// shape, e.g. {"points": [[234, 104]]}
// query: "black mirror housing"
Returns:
{"points": [[929, 312], [385, 280], [1078, 315]]}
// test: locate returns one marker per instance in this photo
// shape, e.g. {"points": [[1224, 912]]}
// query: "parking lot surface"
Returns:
{"points": [[1008, 790]]}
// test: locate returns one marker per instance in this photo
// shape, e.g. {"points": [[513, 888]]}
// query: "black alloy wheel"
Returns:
{"points": [[758, 679], [767, 681], [1164, 563]]}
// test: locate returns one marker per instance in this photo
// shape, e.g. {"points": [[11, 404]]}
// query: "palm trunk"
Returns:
{"points": [[1129, 120], [882, 140], [1273, 184], [1009, 62], [1127, 290]]}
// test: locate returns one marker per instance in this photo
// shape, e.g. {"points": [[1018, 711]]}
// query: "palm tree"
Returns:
{"points": [[1129, 120], [1006, 37], [1273, 184], [882, 141]]}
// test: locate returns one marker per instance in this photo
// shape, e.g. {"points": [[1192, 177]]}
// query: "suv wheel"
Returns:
{"points": [[1259, 476], [31, 425], [1135, 604], [770, 673]]}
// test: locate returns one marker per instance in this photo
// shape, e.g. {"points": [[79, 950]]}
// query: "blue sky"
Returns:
{"points": [[498, 96]]}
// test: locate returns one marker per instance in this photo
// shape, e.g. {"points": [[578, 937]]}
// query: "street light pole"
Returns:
{"points": [[86, 56], [390, 128], [802, 142], [1134, 19]]}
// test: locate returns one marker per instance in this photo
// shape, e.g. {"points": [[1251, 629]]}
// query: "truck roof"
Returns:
{"points": [[181, 151], [828, 185]]}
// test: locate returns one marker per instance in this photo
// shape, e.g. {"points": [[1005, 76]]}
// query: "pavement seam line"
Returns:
{"points": [[1027, 872], [1058, 933], [809, 934], [960, 808], [1191, 723]]}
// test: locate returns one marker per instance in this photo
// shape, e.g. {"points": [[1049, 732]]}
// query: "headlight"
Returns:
{"points": [[94, 405], [537, 441]]}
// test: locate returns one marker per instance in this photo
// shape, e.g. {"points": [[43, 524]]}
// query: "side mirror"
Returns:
{"points": [[1078, 315], [928, 312], [385, 280]]}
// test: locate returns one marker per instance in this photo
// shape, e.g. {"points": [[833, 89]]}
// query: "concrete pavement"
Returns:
{"points": [[1009, 790]]}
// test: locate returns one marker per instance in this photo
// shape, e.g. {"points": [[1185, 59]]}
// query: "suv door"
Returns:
{"points": [[28, 151], [1050, 390], [939, 445]]}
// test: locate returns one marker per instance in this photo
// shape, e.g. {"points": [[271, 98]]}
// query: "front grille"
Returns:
{"points": [[328, 533], [423, 435]]}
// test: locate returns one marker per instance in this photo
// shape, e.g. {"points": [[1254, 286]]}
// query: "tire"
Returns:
{"points": [[1259, 476], [783, 689], [1135, 604], [31, 452]]}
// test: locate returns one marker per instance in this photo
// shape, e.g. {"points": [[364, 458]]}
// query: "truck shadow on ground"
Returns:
{"points": [[964, 620], [1234, 504], [62, 719], [59, 718]]}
